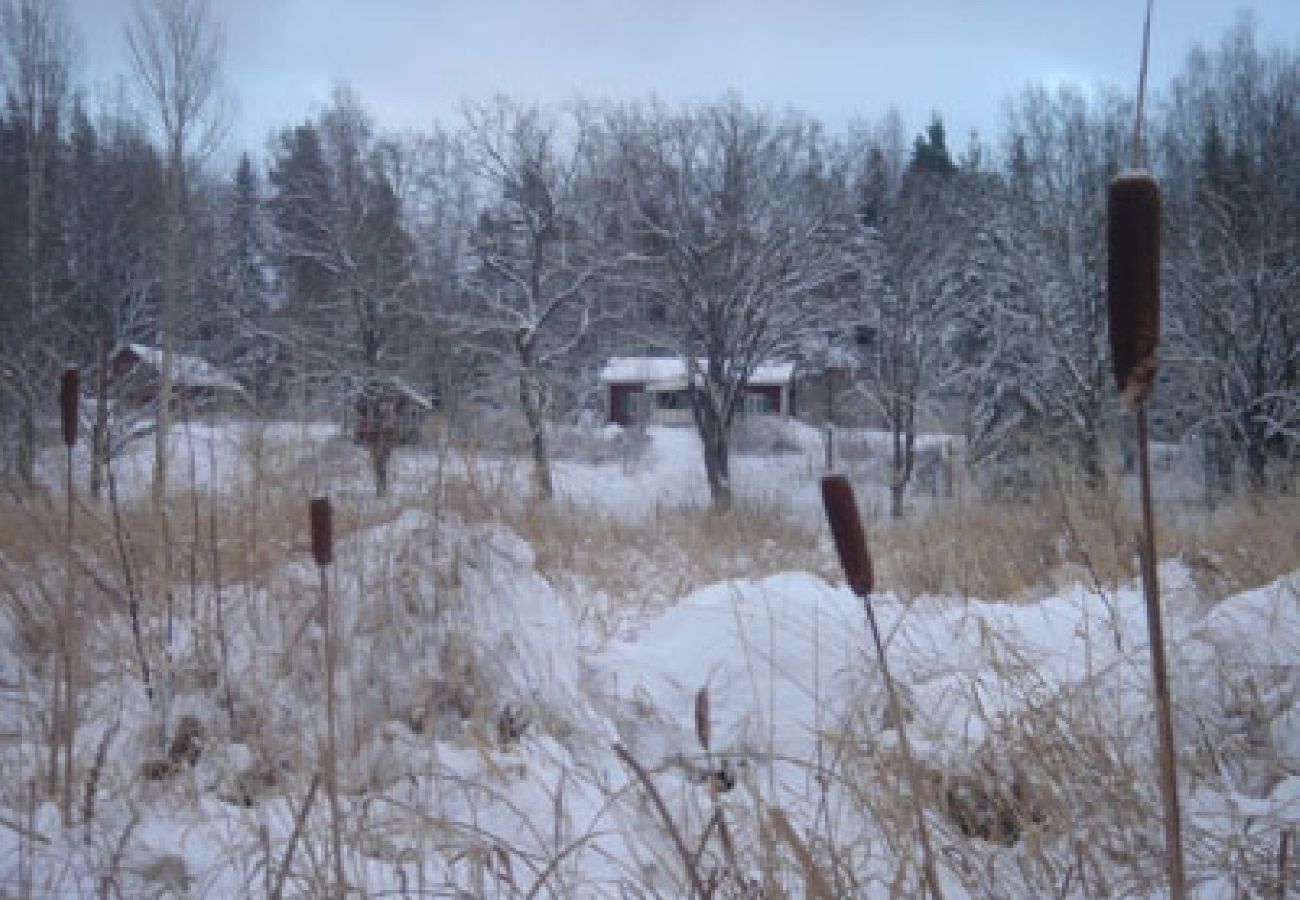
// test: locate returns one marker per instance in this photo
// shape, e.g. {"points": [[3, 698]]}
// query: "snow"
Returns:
{"points": [[672, 371], [441, 617], [187, 370]]}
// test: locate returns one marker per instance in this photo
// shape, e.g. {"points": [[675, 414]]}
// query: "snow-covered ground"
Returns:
{"points": [[480, 714]]}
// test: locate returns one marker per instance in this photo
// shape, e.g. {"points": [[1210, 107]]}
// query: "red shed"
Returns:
{"points": [[653, 390]]}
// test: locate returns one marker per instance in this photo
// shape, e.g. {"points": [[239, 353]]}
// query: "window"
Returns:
{"points": [[759, 404]]}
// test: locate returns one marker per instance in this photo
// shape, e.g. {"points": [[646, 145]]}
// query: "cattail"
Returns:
{"points": [[68, 394], [846, 530], [855, 560], [1133, 282], [702, 719], [322, 531]]}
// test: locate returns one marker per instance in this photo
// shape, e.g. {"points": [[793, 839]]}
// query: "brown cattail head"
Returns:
{"points": [[846, 530], [322, 531], [1133, 282], [703, 722], [68, 394]]}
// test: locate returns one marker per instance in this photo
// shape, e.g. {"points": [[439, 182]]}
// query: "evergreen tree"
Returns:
{"points": [[930, 151]]}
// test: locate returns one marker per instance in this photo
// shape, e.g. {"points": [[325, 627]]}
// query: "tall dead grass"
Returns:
{"points": [[991, 550], [1028, 549], [1064, 762]]}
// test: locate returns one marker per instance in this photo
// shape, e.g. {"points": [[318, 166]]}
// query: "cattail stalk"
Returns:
{"points": [[855, 559], [1133, 287], [1133, 307], [322, 548], [68, 394], [698, 889], [126, 558], [1160, 676], [223, 643]]}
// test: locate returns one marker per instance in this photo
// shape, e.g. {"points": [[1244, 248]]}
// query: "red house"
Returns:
{"points": [[649, 390]]}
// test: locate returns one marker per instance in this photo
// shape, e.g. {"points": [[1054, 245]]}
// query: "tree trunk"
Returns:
{"points": [[99, 448], [171, 287], [36, 159], [712, 425], [904, 433], [830, 421], [530, 397], [1256, 455], [381, 451], [26, 457], [716, 464]]}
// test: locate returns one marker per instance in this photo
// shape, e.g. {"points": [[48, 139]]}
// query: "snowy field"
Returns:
{"points": [[486, 725]]}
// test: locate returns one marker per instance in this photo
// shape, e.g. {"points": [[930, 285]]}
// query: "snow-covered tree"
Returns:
{"points": [[914, 246], [345, 257], [537, 257], [1045, 384], [739, 231], [1233, 269]]}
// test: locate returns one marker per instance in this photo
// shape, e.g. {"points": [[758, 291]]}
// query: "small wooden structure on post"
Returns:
{"points": [[388, 409]]}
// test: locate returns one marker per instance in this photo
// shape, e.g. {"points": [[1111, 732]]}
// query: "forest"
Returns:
{"points": [[498, 260]]}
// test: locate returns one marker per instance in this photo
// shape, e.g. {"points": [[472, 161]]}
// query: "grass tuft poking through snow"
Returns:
{"points": [[492, 652]]}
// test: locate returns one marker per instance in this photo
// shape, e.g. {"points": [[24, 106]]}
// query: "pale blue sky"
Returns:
{"points": [[412, 61]]}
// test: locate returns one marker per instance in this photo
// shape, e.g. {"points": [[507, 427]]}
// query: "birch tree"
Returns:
{"points": [[176, 49]]}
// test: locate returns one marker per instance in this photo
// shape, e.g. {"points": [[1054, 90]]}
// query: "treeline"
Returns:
{"points": [[501, 259]]}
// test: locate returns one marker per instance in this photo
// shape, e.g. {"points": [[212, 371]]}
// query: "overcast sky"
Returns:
{"points": [[412, 61]]}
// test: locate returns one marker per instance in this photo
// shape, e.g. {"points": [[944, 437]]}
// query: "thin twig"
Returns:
{"points": [[905, 747], [816, 886], [124, 553], [278, 891], [644, 777], [92, 780]]}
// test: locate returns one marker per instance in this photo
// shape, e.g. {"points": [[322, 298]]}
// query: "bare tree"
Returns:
{"points": [[536, 248], [176, 50], [36, 53], [740, 228]]}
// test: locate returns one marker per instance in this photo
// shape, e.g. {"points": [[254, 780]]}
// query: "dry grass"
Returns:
{"points": [[983, 549], [1070, 769], [646, 566], [1029, 549]]}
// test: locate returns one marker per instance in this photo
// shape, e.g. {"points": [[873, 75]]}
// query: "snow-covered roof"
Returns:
{"points": [[405, 388], [658, 370], [186, 370]]}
